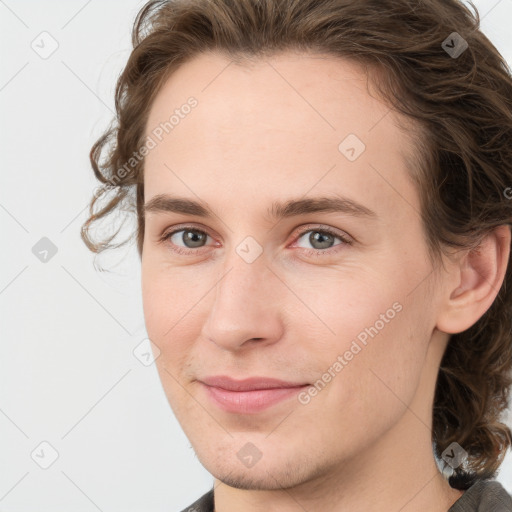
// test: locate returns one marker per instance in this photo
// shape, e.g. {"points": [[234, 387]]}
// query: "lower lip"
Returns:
{"points": [[247, 402]]}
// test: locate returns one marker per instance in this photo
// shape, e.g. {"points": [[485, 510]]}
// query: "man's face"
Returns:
{"points": [[347, 313]]}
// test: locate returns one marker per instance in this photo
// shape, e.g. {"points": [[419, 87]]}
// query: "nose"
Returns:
{"points": [[245, 309]]}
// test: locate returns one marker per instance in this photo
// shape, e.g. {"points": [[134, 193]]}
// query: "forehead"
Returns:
{"points": [[292, 120], [328, 93]]}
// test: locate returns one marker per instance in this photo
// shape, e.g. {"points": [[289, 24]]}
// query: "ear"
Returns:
{"points": [[478, 276]]}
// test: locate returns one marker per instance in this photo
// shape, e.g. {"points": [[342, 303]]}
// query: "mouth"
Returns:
{"points": [[248, 396]]}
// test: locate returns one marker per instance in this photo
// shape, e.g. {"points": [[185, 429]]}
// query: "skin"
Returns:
{"points": [[267, 131]]}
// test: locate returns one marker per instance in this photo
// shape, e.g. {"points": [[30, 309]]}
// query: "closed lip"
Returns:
{"points": [[249, 384]]}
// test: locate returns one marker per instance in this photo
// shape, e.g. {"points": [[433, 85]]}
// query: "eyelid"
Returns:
{"points": [[183, 227], [345, 239], [342, 235]]}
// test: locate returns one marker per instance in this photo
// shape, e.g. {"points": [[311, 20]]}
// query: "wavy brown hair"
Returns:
{"points": [[460, 105]]}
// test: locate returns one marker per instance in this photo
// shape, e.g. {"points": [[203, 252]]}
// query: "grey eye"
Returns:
{"points": [[319, 239], [190, 238]]}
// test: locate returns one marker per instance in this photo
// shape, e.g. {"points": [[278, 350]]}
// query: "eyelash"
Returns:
{"points": [[310, 252]]}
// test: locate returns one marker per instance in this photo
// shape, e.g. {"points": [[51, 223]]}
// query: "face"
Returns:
{"points": [[305, 262]]}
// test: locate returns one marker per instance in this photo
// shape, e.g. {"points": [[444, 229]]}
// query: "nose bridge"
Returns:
{"points": [[243, 287], [243, 305], [245, 274]]}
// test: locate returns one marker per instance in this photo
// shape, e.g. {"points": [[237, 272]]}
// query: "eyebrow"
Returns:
{"points": [[279, 210]]}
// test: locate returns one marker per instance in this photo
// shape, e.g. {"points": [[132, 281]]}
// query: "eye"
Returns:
{"points": [[186, 240], [322, 240], [189, 240]]}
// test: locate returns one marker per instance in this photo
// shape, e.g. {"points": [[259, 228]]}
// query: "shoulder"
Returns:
{"points": [[203, 504], [483, 496]]}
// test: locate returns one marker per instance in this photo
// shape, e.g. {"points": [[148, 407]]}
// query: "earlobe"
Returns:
{"points": [[479, 275]]}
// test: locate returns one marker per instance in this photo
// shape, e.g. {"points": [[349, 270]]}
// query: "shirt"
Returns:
{"points": [[482, 496]]}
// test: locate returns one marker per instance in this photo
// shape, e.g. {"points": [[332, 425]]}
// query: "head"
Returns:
{"points": [[401, 291]]}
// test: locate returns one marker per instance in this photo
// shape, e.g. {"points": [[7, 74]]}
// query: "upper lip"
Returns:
{"points": [[250, 384]]}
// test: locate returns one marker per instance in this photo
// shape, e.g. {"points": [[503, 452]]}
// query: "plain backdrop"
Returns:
{"points": [[74, 396]]}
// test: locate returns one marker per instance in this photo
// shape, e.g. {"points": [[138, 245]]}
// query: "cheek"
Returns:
{"points": [[167, 297], [165, 304], [373, 389], [386, 372], [379, 345], [347, 310]]}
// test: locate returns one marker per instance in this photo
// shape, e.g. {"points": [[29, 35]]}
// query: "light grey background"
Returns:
{"points": [[68, 375]]}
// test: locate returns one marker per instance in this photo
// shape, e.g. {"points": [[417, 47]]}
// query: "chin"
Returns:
{"points": [[248, 482], [268, 474], [261, 481]]}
